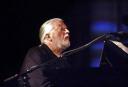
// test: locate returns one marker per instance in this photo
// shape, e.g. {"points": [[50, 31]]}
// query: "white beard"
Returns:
{"points": [[63, 44]]}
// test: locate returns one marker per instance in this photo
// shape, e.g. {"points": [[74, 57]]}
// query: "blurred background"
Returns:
{"points": [[86, 19]]}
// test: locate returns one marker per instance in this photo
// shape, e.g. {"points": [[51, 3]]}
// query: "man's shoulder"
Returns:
{"points": [[36, 48], [33, 49], [39, 49], [34, 54]]}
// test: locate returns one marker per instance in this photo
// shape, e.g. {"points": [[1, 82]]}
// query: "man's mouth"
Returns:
{"points": [[66, 37]]}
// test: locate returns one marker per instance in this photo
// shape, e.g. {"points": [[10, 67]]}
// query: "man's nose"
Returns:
{"points": [[67, 31]]}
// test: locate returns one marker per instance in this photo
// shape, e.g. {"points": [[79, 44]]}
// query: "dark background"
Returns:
{"points": [[21, 20]]}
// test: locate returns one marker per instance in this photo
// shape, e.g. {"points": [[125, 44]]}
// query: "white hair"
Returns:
{"points": [[46, 27]]}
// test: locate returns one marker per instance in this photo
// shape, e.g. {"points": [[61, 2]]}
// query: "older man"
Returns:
{"points": [[54, 37]]}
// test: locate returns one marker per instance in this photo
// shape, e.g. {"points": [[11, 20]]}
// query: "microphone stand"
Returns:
{"points": [[103, 57], [23, 77], [70, 52], [18, 75]]}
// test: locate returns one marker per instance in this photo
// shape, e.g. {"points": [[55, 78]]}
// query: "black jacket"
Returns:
{"points": [[55, 72]]}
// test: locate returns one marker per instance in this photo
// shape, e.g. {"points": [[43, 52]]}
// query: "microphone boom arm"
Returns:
{"points": [[70, 52]]}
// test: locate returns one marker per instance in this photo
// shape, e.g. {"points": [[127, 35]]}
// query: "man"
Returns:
{"points": [[54, 37]]}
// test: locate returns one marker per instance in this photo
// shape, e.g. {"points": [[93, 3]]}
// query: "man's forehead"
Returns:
{"points": [[58, 24]]}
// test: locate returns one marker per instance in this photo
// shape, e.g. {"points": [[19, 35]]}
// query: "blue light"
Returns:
{"points": [[95, 63], [103, 27], [97, 46]]}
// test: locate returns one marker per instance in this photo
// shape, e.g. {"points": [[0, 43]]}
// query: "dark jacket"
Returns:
{"points": [[55, 72]]}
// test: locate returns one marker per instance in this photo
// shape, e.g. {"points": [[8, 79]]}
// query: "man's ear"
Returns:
{"points": [[48, 37]]}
